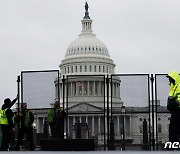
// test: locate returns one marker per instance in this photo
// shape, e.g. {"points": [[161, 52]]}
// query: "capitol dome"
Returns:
{"points": [[87, 54], [85, 66], [87, 44]]}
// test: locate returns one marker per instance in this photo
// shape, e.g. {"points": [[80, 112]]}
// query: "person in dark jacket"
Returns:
{"points": [[7, 123], [56, 121], [173, 105], [25, 121]]}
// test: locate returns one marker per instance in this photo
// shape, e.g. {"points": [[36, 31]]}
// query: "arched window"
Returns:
{"points": [[85, 68], [94, 68], [76, 69], [80, 68], [99, 68], [71, 69], [96, 48], [90, 68], [68, 69]]}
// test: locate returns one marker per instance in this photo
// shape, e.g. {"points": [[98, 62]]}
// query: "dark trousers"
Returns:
{"points": [[174, 128], [29, 137], [57, 131], [6, 137]]}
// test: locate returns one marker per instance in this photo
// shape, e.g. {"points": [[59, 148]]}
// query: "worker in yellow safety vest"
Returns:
{"points": [[25, 120], [173, 105], [55, 120], [7, 123]]}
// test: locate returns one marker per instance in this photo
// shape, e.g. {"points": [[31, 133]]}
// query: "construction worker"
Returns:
{"points": [[7, 123], [173, 105], [56, 121], [25, 120]]}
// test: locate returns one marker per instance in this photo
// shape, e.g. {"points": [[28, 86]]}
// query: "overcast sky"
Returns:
{"points": [[142, 36]]}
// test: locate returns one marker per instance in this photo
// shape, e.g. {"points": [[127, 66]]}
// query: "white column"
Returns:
{"points": [[117, 91], [68, 121], [88, 88], [105, 124], [125, 124], [71, 90], [60, 90], [99, 88], [130, 125], [77, 89], [94, 87], [80, 119], [99, 124], [86, 119], [74, 120], [82, 88], [92, 125], [118, 131]]}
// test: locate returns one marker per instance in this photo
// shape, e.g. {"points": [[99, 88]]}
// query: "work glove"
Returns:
{"points": [[172, 104]]}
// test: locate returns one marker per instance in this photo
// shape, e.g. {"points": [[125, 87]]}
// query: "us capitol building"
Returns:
{"points": [[87, 55]]}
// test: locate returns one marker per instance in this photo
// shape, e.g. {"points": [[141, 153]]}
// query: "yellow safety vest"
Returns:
{"points": [[27, 119], [3, 117], [175, 89]]}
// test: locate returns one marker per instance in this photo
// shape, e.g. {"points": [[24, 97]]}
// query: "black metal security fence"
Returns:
{"points": [[86, 107], [162, 116], [120, 111], [39, 89], [130, 106]]}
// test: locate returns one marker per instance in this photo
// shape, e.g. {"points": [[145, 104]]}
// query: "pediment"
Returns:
{"points": [[85, 107]]}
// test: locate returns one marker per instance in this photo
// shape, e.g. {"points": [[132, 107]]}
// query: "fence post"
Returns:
{"points": [[107, 84], [145, 136], [152, 101], [18, 102], [104, 81], [63, 82], [112, 142]]}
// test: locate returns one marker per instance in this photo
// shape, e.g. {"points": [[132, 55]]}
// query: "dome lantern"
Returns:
{"points": [[86, 22], [87, 51]]}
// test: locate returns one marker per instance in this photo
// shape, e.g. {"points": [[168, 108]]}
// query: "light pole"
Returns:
{"points": [[123, 112]]}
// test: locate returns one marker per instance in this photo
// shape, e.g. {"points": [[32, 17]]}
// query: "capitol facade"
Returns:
{"points": [[86, 66], [92, 98]]}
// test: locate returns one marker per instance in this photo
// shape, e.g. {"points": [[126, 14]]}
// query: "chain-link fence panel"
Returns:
{"points": [[38, 88], [133, 90], [116, 111], [130, 106], [162, 114], [85, 104]]}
